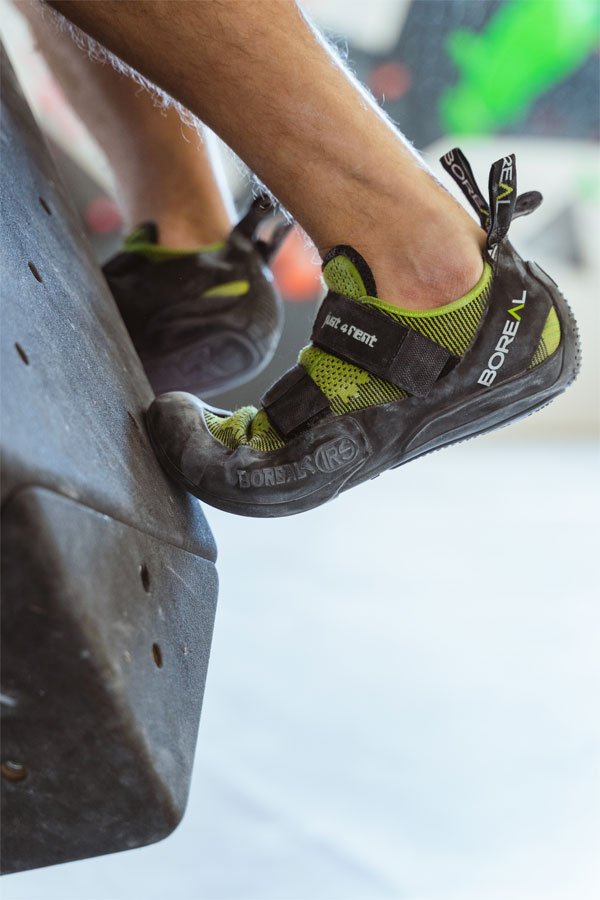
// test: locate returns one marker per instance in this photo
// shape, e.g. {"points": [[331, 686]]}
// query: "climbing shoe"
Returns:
{"points": [[379, 386], [201, 321]]}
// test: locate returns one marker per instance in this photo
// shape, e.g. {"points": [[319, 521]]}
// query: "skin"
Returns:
{"points": [[163, 167], [260, 76]]}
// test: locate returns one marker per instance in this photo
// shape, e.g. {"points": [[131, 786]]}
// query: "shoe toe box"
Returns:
{"points": [[180, 438]]}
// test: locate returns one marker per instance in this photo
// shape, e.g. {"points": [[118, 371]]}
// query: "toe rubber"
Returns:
{"points": [[311, 469]]}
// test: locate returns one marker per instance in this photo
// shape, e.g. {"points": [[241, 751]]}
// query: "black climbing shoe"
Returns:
{"points": [[201, 321], [380, 386]]}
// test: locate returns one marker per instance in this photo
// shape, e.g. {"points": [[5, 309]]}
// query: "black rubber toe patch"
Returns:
{"points": [[310, 469], [320, 460], [179, 436]]}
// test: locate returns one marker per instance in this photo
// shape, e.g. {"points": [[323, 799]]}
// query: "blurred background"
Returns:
{"points": [[402, 700]]}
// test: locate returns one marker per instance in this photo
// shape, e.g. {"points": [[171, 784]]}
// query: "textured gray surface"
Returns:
{"points": [[106, 640], [72, 416], [109, 583]]}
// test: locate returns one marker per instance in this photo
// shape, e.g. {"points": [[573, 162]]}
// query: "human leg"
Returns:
{"points": [[262, 78], [163, 167], [194, 293], [432, 357]]}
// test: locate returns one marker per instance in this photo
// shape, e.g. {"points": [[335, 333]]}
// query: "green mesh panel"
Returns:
{"points": [[247, 426], [138, 242], [549, 340], [454, 328], [346, 386], [340, 272]]}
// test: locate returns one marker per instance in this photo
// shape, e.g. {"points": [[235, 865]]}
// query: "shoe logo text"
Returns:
{"points": [[350, 330], [327, 458], [496, 360], [506, 174], [461, 176]]}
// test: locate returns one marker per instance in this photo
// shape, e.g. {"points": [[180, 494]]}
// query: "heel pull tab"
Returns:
{"points": [[261, 209], [268, 247], [504, 203], [457, 166], [527, 203], [503, 198]]}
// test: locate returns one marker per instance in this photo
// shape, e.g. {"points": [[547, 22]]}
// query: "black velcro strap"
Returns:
{"points": [[293, 401], [418, 364], [373, 341]]}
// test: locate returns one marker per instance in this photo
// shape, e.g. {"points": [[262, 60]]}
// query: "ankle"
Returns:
{"points": [[179, 232], [420, 261], [439, 274], [184, 234]]}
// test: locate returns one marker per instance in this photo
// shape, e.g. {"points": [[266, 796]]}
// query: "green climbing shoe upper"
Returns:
{"points": [[348, 387]]}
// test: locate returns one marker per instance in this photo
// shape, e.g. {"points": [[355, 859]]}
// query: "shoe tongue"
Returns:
{"points": [[347, 273], [146, 233]]}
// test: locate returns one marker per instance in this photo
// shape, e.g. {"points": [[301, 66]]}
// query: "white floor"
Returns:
{"points": [[402, 700]]}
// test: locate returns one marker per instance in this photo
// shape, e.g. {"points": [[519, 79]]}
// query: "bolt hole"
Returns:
{"points": [[157, 654], [35, 272], [45, 206], [133, 421], [145, 576], [13, 771], [22, 354]]}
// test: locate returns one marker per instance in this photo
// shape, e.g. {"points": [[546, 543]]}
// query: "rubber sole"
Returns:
{"points": [[208, 365]]}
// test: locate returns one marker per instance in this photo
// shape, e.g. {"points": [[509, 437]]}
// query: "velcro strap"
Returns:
{"points": [[373, 341], [293, 401]]}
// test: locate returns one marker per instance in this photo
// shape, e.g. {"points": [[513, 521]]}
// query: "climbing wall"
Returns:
{"points": [[108, 575]]}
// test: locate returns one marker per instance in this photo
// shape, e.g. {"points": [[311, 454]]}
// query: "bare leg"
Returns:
{"points": [[258, 74], [162, 166]]}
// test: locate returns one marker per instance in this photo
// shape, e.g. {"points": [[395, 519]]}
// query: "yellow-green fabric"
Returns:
{"points": [[137, 242], [349, 388], [344, 274], [346, 386], [549, 340], [228, 289]]}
